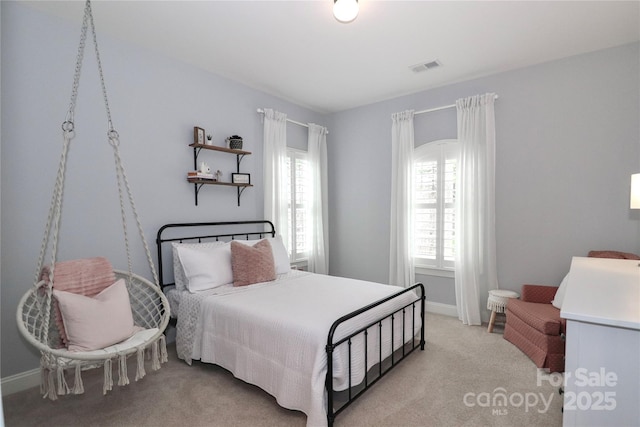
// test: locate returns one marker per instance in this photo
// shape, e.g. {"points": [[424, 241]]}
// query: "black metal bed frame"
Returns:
{"points": [[341, 399], [355, 391]]}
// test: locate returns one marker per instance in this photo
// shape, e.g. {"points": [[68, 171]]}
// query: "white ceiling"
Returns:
{"points": [[296, 50]]}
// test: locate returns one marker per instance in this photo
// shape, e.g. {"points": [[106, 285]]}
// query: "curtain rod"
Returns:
{"points": [[430, 110], [261, 111]]}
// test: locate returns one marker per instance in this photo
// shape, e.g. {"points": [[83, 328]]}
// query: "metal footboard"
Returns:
{"points": [[344, 398]]}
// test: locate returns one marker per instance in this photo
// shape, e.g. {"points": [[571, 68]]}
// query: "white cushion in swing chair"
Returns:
{"points": [[139, 338], [93, 323]]}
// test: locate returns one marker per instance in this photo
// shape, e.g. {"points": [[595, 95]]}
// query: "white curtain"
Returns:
{"points": [[401, 271], [275, 179], [318, 235], [475, 266]]}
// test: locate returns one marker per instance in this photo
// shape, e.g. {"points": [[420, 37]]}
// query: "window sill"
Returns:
{"points": [[431, 271], [299, 265]]}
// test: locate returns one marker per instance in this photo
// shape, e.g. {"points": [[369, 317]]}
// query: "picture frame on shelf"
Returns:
{"points": [[241, 178], [198, 135]]}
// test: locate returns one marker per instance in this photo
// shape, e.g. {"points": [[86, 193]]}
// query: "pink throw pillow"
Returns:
{"points": [[96, 322], [252, 264]]}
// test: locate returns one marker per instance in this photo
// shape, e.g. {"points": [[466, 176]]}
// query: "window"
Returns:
{"points": [[434, 210], [297, 170]]}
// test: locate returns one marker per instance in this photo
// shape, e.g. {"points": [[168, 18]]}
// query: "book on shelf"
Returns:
{"points": [[200, 175]]}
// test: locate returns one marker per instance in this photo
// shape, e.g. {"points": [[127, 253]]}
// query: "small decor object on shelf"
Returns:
{"points": [[204, 168], [198, 135], [241, 178], [200, 175], [209, 139], [218, 175], [235, 142]]}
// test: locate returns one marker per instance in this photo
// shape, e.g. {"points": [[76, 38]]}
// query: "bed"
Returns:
{"points": [[315, 342]]}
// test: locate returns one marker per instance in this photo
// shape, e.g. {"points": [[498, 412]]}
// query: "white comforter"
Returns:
{"points": [[274, 334]]}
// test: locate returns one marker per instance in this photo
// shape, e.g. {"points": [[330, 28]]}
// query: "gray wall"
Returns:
{"points": [[155, 103], [568, 140]]}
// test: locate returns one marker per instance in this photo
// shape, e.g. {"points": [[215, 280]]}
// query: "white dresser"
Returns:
{"points": [[602, 369]]}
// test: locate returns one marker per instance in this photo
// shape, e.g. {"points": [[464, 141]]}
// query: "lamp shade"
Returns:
{"points": [[345, 10], [635, 191]]}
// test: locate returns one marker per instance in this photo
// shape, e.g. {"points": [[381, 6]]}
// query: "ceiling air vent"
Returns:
{"points": [[418, 68]]}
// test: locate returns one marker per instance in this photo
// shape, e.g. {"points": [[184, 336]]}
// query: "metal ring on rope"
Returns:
{"points": [[114, 137], [67, 126], [68, 129]]}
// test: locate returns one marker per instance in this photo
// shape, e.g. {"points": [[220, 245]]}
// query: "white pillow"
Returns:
{"points": [[557, 300], [206, 268], [179, 278], [280, 255], [93, 323]]}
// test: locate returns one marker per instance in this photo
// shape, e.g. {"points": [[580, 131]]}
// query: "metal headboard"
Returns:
{"points": [[198, 232]]}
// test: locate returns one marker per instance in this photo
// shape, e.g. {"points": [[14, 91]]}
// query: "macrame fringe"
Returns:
{"points": [[108, 377], [43, 380], [163, 350], [497, 306], [155, 361], [140, 372], [53, 380], [63, 388], [123, 377], [51, 387], [78, 386]]}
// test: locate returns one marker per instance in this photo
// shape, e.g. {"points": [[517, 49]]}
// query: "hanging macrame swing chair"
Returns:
{"points": [[38, 314]]}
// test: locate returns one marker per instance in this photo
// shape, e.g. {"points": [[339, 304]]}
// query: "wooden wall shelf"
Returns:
{"points": [[198, 182]]}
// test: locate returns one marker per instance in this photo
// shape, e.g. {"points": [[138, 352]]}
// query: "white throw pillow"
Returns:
{"points": [[179, 278], [206, 268], [557, 300], [280, 255], [93, 323]]}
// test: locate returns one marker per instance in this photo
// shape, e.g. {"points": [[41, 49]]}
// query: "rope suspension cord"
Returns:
{"points": [[68, 131], [149, 307]]}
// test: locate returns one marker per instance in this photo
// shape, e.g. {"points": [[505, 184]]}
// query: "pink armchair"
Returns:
{"points": [[534, 325]]}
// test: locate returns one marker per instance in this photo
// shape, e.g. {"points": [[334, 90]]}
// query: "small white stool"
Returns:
{"points": [[497, 303]]}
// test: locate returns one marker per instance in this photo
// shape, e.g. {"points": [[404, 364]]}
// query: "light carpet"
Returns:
{"points": [[465, 377]]}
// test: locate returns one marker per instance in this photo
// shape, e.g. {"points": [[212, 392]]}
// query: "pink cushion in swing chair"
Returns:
{"points": [[87, 277]]}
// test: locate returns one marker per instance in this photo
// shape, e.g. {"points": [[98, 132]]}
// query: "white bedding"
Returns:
{"points": [[274, 334]]}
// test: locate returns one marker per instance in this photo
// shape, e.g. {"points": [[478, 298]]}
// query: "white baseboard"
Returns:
{"points": [[19, 382], [28, 379], [439, 308]]}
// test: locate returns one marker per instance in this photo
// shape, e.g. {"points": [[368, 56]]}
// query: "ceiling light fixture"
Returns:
{"points": [[345, 10]]}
